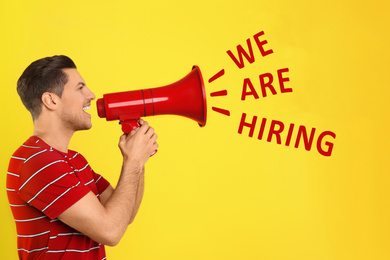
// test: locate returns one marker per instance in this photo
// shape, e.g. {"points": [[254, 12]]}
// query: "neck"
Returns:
{"points": [[56, 137]]}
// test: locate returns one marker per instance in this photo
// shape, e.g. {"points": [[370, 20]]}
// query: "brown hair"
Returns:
{"points": [[43, 75]]}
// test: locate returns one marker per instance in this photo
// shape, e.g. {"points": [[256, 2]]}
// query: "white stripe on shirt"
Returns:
{"points": [[18, 158], [34, 155], [35, 235], [28, 220], [66, 234], [73, 250], [39, 171], [30, 146], [89, 182], [98, 179], [13, 174], [82, 168], [46, 187], [74, 156], [60, 196], [14, 205], [34, 250]]}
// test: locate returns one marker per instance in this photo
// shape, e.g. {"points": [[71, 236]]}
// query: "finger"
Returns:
{"points": [[154, 137], [133, 132], [144, 127], [122, 138], [150, 132]]}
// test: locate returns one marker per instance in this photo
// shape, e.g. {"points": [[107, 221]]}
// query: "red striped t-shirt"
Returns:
{"points": [[43, 182]]}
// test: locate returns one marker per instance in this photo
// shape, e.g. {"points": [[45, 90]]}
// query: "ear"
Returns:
{"points": [[50, 100]]}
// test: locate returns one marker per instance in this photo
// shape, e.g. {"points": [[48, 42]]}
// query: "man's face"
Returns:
{"points": [[76, 99]]}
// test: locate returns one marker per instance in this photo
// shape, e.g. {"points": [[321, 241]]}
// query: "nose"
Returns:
{"points": [[90, 94]]}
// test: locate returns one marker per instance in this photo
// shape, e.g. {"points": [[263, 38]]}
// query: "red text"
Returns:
{"points": [[275, 131], [250, 57], [266, 82]]}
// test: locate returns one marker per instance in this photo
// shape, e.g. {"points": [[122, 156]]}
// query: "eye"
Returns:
{"points": [[81, 85]]}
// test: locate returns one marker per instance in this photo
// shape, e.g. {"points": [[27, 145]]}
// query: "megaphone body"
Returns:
{"points": [[185, 97]]}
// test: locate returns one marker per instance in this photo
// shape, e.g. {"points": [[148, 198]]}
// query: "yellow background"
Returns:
{"points": [[212, 193]]}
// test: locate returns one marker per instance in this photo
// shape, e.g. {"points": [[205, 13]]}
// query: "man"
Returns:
{"points": [[62, 208]]}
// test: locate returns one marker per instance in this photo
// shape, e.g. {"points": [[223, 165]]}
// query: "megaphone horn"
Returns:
{"points": [[185, 97]]}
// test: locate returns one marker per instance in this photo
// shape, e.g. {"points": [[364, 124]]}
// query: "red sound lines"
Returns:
{"points": [[222, 111], [219, 74], [219, 93]]}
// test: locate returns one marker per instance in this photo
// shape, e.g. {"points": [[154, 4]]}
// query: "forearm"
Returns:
{"points": [[106, 222], [122, 205], [140, 194], [105, 196]]}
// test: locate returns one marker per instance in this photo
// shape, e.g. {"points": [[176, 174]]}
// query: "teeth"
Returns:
{"points": [[86, 108]]}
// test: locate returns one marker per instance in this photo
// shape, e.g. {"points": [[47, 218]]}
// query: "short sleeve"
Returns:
{"points": [[101, 183], [97, 183], [49, 184]]}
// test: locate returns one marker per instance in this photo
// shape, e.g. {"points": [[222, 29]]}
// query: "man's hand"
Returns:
{"points": [[138, 145]]}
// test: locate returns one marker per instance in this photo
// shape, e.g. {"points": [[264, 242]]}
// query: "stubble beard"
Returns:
{"points": [[76, 122]]}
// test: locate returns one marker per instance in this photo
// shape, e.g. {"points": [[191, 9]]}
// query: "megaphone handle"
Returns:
{"points": [[130, 125]]}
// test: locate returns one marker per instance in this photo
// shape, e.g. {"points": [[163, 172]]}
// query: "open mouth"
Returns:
{"points": [[86, 108]]}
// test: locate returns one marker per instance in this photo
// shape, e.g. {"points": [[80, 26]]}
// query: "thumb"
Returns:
{"points": [[133, 132], [122, 138]]}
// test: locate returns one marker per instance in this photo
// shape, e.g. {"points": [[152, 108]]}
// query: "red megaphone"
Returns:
{"points": [[185, 97]]}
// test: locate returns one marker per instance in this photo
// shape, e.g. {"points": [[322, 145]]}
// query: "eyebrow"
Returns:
{"points": [[80, 83]]}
